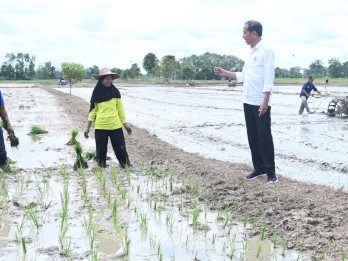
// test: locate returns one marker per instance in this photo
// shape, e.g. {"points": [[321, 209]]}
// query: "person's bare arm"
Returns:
{"points": [[224, 73], [264, 105], [6, 121]]}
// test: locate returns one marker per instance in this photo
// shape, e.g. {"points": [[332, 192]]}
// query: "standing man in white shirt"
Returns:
{"points": [[258, 80]]}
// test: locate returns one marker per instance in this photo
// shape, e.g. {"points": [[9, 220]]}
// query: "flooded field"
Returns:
{"points": [[210, 121], [48, 211]]}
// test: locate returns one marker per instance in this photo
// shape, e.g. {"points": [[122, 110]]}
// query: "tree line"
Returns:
{"points": [[21, 66]]}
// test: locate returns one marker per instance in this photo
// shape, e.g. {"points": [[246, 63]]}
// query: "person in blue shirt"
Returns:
{"points": [[306, 90], [8, 127]]}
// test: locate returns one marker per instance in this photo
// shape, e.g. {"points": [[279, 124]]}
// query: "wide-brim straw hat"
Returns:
{"points": [[106, 71]]}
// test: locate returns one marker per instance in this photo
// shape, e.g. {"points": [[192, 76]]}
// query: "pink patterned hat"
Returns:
{"points": [[106, 71]]}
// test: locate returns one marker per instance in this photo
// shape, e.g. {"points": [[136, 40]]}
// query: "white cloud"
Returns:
{"points": [[117, 33]]}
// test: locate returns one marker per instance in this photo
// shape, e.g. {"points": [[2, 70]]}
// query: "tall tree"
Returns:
{"points": [[345, 69], [317, 69], [169, 67], [188, 72], [22, 64], [134, 71], [73, 72], [335, 68], [91, 70], [149, 62]]}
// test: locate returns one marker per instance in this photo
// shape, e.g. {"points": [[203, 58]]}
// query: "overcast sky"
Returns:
{"points": [[113, 33]]}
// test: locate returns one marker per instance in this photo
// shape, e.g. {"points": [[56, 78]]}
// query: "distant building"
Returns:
{"points": [[300, 70]]}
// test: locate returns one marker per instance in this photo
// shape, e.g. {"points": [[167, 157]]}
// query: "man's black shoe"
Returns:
{"points": [[254, 175], [272, 179]]}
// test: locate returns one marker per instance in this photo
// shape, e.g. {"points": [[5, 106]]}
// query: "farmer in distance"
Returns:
{"points": [[306, 90]]}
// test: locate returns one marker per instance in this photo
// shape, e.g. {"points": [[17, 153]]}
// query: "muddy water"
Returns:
{"points": [[153, 216], [210, 121]]}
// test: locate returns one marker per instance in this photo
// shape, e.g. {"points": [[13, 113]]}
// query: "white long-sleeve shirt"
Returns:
{"points": [[257, 75]]}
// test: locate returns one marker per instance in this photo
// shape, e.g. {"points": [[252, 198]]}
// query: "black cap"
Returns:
{"points": [[310, 78]]}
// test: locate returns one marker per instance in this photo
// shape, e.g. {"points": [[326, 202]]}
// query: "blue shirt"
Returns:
{"points": [[2, 102], [308, 87]]}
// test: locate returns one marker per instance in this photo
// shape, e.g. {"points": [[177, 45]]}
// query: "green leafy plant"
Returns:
{"points": [[35, 130]]}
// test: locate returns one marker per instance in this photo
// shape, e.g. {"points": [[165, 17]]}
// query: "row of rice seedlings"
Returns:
{"points": [[193, 189]]}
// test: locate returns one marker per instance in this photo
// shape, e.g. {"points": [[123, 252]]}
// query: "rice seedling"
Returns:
{"points": [[279, 194], [64, 174], [114, 174], [213, 240], [180, 205], [33, 215], [105, 190], [259, 249], [143, 221], [170, 222], [89, 155], [159, 251], [263, 233], [227, 217], [195, 215], [245, 219], [236, 212], [193, 187], [20, 189], [123, 193], [90, 228], [245, 245], [74, 133], [254, 224], [171, 182], [35, 130], [152, 241], [80, 161], [5, 195], [128, 175], [232, 247], [126, 243], [187, 240], [84, 186], [95, 256], [274, 239], [24, 247], [284, 247], [321, 255], [19, 229]]}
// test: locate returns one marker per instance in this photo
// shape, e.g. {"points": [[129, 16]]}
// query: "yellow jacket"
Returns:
{"points": [[108, 115]]}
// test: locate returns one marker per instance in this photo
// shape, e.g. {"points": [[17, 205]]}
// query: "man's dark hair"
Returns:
{"points": [[254, 26]]}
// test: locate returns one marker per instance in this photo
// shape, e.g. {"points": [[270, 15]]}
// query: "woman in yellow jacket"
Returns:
{"points": [[108, 116]]}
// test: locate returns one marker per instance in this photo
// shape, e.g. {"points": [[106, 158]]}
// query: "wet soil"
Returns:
{"points": [[310, 217]]}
